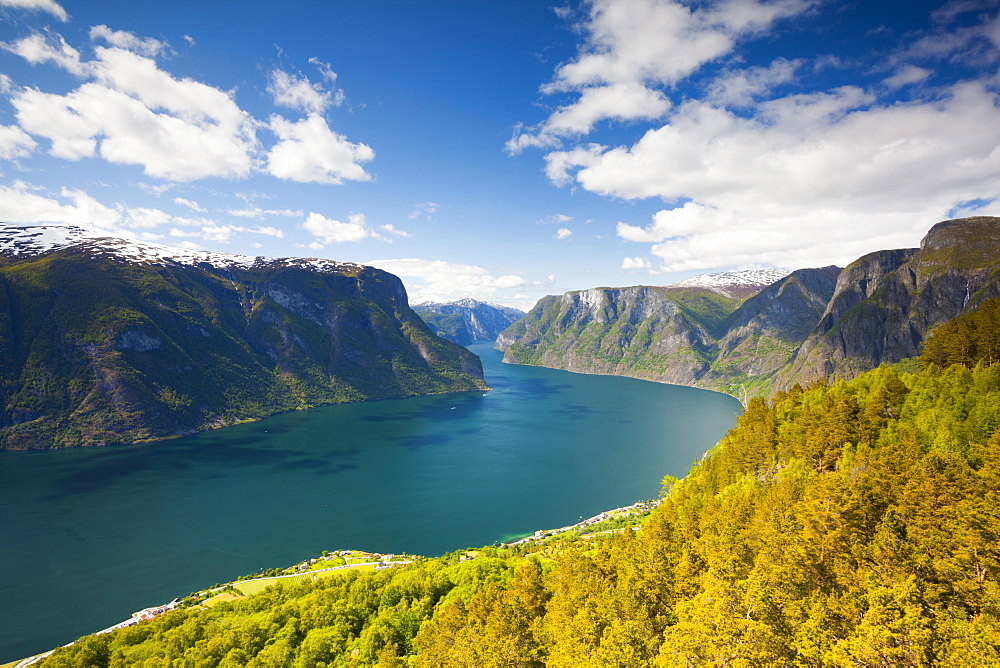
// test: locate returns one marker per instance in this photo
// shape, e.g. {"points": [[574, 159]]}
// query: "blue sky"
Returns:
{"points": [[504, 150]]}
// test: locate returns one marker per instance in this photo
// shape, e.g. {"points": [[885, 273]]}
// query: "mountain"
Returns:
{"points": [[106, 340], [734, 284], [691, 333], [467, 320], [810, 324], [885, 303]]}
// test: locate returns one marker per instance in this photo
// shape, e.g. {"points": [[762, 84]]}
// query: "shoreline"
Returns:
{"points": [[382, 561]]}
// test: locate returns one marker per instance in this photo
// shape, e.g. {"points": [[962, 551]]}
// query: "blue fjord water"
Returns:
{"points": [[88, 536]]}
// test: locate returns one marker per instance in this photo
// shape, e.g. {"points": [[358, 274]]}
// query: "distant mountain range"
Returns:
{"points": [[467, 320], [106, 340], [726, 332]]}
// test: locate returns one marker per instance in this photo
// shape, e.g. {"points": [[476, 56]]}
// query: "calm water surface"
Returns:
{"points": [[88, 536]]}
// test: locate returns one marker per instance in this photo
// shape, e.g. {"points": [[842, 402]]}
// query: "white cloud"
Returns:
{"points": [[765, 167], [194, 206], [50, 6], [22, 203], [447, 280], [391, 229], [135, 113], [556, 218], [25, 203], [907, 74], [740, 88], [327, 230], [223, 233], [15, 143], [563, 233], [37, 49], [764, 192], [308, 151], [634, 47], [257, 212], [130, 111], [635, 263], [146, 46], [297, 92]]}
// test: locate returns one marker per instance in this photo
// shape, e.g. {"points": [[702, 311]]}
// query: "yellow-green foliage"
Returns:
{"points": [[968, 339], [855, 523]]}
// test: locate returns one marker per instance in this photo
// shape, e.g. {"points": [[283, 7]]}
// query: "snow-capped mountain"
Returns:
{"points": [[734, 284], [27, 240], [110, 340]]}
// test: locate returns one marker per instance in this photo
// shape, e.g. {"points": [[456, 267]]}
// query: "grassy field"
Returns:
{"points": [[253, 586]]}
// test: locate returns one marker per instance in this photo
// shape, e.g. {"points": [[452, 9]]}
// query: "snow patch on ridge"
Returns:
{"points": [[31, 240], [727, 281]]}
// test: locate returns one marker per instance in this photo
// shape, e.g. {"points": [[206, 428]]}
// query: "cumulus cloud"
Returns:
{"points": [[635, 263], [297, 92], [391, 230], [135, 113], [129, 111], [563, 233], [448, 280], [906, 75], [835, 161], [38, 49], [146, 46], [632, 48], [308, 151], [328, 231], [50, 6], [762, 168], [23, 203], [15, 143]]}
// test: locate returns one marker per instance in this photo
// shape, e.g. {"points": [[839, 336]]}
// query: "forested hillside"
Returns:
{"points": [[105, 340], [851, 523]]}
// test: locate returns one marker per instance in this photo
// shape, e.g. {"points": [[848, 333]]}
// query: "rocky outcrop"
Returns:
{"points": [[98, 345], [885, 303]]}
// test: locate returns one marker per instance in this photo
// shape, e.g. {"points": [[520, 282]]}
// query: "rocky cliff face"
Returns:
{"points": [[813, 323], [885, 303], [643, 332], [109, 341], [468, 320]]}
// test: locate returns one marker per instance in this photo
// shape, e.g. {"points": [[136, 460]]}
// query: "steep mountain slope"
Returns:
{"points": [[885, 303], [467, 320], [105, 340], [811, 324], [640, 331], [692, 333]]}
